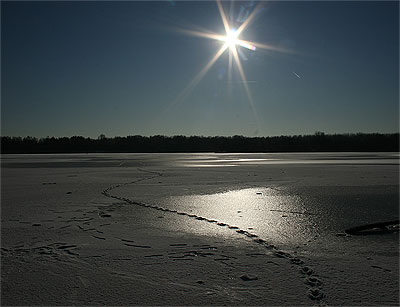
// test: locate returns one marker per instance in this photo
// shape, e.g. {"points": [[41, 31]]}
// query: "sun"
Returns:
{"points": [[231, 43], [231, 38]]}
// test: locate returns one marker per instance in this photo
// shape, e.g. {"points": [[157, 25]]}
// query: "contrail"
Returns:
{"points": [[296, 75]]}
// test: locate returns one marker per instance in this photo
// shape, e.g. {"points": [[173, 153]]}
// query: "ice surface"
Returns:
{"points": [[183, 229]]}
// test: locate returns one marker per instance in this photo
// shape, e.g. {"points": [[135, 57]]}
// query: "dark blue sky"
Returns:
{"points": [[86, 68]]}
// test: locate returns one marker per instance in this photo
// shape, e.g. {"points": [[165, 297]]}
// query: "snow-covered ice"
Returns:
{"points": [[199, 229]]}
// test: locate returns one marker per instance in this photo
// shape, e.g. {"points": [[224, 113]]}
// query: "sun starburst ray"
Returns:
{"points": [[242, 42], [230, 72], [232, 43], [223, 16], [209, 35], [246, 86], [246, 45], [249, 19], [200, 75]]}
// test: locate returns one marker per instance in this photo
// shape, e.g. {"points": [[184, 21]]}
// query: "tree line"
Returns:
{"points": [[318, 142]]}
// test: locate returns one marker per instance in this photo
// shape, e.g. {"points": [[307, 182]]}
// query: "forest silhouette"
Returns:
{"points": [[318, 142]]}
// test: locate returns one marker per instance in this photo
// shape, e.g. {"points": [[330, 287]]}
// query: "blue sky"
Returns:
{"points": [[87, 68]]}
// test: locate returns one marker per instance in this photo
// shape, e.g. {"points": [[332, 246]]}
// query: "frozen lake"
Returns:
{"points": [[299, 203], [284, 197]]}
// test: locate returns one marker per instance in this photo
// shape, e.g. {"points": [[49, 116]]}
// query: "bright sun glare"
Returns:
{"points": [[231, 38], [231, 43]]}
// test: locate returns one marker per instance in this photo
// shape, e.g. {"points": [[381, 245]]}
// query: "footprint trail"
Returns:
{"points": [[314, 284]]}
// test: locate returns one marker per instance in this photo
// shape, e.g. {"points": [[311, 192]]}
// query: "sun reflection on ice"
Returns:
{"points": [[266, 212]]}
